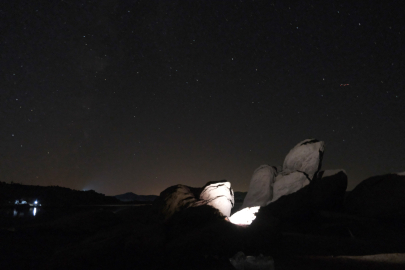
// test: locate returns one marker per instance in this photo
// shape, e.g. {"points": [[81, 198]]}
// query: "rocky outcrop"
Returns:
{"points": [[174, 199], [217, 194], [268, 183], [261, 187], [300, 166], [288, 183], [328, 190], [325, 193], [378, 197], [305, 157]]}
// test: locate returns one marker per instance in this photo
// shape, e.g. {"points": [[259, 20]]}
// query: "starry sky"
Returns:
{"points": [[120, 96]]}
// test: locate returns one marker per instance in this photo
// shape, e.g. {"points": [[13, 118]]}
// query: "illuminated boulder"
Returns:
{"points": [[261, 187], [219, 195], [300, 166], [288, 183], [305, 157]]}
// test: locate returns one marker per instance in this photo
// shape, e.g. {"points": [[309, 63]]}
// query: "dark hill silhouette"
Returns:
{"points": [[51, 195], [130, 196]]}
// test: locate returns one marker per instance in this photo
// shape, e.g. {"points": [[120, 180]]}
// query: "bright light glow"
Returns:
{"points": [[36, 202], [34, 212], [218, 195], [244, 216]]}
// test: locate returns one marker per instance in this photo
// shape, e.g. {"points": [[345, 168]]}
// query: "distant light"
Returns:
{"points": [[36, 202], [34, 212]]}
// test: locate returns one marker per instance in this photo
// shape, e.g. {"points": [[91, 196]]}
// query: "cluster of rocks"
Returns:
{"points": [[297, 188], [305, 216], [301, 168], [379, 197], [218, 195], [297, 197]]}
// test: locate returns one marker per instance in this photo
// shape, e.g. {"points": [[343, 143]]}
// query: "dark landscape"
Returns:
{"points": [[303, 230], [154, 134]]}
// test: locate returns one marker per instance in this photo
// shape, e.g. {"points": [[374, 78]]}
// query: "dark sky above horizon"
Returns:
{"points": [[122, 96]]}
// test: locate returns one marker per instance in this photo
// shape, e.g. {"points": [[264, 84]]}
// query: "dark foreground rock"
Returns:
{"points": [[325, 193], [378, 197], [308, 229], [328, 190], [196, 238]]}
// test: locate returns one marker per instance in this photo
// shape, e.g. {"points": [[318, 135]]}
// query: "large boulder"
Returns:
{"points": [[174, 199], [261, 187], [288, 183], [219, 195], [305, 157], [268, 183], [299, 168], [378, 197], [325, 193]]}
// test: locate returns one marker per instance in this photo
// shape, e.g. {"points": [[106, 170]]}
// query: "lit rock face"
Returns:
{"points": [[219, 195], [287, 184], [305, 157], [261, 187], [300, 166], [268, 183]]}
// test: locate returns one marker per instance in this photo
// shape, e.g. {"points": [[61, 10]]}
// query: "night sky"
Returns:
{"points": [[121, 96]]}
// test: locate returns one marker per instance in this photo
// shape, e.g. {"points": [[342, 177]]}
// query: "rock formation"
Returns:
{"points": [[288, 183], [300, 166], [217, 194], [174, 199], [378, 197], [261, 187], [268, 183], [305, 157], [325, 193], [328, 190]]}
